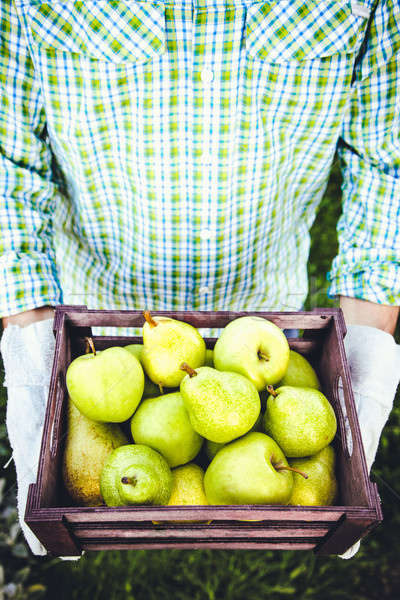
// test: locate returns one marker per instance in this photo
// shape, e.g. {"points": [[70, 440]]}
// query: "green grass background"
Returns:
{"points": [[373, 573]]}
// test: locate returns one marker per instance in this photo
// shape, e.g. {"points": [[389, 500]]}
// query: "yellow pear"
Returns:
{"points": [[188, 488], [321, 486], [88, 444], [167, 343]]}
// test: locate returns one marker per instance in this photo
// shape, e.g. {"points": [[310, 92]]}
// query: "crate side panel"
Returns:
{"points": [[50, 491], [351, 466]]}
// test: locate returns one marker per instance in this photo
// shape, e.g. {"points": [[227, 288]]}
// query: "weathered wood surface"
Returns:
{"points": [[67, 530]]}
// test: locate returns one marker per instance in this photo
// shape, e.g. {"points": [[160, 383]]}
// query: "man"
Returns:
{"points": [[172, 155]]}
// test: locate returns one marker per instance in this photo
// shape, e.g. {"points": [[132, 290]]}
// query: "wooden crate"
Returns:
{"points": [[65, 529]]}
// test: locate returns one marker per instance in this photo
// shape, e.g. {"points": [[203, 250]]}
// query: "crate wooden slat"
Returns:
{"points": [[65, 529]]}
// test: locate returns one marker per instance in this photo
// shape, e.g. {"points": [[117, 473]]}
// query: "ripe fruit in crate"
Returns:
{"points": [[222, 406], [136, 474], [151, 389], [255, 348], [211, 448], [301, 420], [188, 489], [106, 386], [163, 424], [249, 470], [300, 373], [321, 488], [166, 344], [88, 444], [209, 361]]}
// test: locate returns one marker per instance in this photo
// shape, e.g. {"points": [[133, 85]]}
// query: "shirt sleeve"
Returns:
{"points": [[368, 261], [28, 192]]}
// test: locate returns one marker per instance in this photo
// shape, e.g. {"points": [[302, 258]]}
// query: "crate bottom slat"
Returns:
{"points": [[202, 534], [221, 544]]}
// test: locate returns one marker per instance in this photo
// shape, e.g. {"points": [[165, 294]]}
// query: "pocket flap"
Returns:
{"points": [[110, 30], [283, 30]]}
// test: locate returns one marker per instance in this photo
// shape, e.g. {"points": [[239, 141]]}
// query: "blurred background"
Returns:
{"points": [[374, 573]]}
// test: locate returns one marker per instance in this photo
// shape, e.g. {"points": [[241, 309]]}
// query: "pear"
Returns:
{"points": [[301, 420], [166, 344], [136, 474], [163, 424], [151, 389], [255, 348], [249, 470], [321, 487], [209, 361], [188, 489], [211, 448], [222, 405], [300, 373], [88, 444]]}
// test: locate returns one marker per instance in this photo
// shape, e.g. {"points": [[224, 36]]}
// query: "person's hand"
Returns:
{"points": [[374, 362], [27, 353]]}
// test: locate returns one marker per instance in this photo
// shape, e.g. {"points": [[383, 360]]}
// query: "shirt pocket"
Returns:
{"points": [[107, 30], [298, 30]]}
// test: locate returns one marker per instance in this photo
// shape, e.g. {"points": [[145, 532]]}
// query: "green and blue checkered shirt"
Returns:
{"points": [[172, 154]]}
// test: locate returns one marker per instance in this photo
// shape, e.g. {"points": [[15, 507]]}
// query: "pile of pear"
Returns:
{"points": [[170, 422]]}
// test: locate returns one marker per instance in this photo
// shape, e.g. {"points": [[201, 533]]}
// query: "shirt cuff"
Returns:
{"points": [[376, 282], [27, 282]]}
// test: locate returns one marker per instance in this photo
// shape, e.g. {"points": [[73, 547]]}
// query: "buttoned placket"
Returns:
{"points": [[203, 77]]}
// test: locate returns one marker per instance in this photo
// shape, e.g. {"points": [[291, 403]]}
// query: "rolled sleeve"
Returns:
{"points": [[28, 193], [368, 262]]}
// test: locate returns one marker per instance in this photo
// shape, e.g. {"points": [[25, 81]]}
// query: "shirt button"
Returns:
{"points": [[205, 234], [204, 290], [207, 76]]}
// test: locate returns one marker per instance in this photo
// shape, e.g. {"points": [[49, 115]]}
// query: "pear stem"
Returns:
{"points": [[90, 345], [280, 467], [191, 372], [149, 319], [160, 386], [129, 481], [263, 356], [271, 390]]}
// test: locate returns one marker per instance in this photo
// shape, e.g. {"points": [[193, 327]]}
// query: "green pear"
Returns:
{"points": [[166, 344], [106, 386], [209, 361], [321, 487], [151, 390], [88, 443], [255, 348], [301, 420], [249, 470], [163, 424], [222, 405], [211, 448], [300, 373], [136, 474]]}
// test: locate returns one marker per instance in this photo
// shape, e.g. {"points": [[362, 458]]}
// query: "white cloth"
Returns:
{"points": [[27, 354], [374, 362]]}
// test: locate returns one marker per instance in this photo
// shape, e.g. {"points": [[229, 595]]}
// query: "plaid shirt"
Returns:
{"points": [[172, 154]]}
